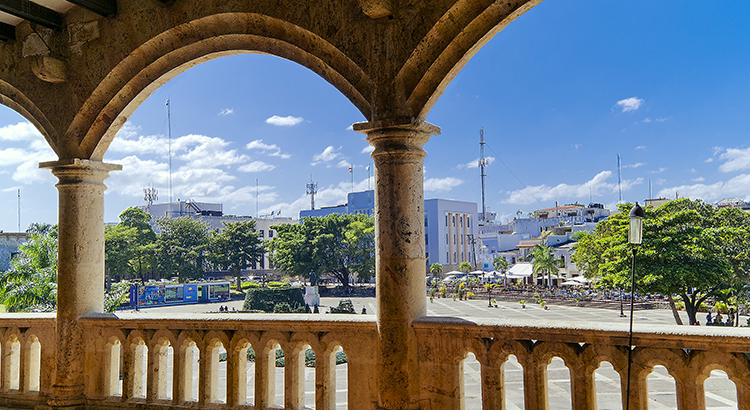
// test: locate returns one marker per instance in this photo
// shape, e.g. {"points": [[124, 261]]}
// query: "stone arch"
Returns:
{"points": [[735, 365], [158, 363], [449, 45], [14, 99], [32, 358], [181, 47], [112, 363], [11, 360]]}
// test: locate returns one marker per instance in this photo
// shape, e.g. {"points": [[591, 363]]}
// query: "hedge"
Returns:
{"points": [[266, 299]]}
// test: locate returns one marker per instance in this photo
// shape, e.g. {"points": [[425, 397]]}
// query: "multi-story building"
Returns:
{"points": [[450, 226], [450, 232]]}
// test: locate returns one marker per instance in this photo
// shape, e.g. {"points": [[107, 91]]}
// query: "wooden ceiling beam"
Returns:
{"points": [[32, 12]]}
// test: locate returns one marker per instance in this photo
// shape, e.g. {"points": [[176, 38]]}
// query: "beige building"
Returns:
{"points": [[78, 69]]}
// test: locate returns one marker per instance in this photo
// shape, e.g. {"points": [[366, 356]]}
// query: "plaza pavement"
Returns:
{"points": [[720, 392]]}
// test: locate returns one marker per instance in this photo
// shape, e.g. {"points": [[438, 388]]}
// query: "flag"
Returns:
{"points": [[350, 169]]}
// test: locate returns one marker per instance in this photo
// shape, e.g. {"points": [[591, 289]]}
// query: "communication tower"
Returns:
{"points": [[312, 189]]}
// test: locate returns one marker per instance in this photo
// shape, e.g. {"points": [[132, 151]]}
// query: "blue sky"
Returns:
{"points": [[560, 93]]}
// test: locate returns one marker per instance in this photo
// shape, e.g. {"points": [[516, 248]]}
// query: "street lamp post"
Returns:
{"points": [[635, 237]]}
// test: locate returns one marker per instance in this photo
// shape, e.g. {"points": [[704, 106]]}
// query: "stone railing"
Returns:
{"points": [[201, 361]]}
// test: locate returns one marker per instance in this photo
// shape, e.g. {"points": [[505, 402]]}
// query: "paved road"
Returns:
{"points": [[720, 392]]}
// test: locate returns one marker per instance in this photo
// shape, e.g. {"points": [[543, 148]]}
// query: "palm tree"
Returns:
{"points": [[464, 267], [501, 264], [544, 261], [436, 270]]}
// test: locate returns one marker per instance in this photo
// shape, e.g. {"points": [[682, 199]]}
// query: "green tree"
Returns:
{"points": [[464, 267], [544, 262], [320, 245], [31, 282], [437, 270], [360, 238], [236, 247], [689, 248], [501, 264], [130, 245], [181, 247]]}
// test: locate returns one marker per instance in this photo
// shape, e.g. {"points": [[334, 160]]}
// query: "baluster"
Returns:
{"points": [[493, 386], [294, 378], [325, 381]]}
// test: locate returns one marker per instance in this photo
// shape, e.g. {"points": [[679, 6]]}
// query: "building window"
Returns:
{"points": [[448, 257], [446, 220], [426, 239], [461, 219], [455, 257], [262, 233], [446, 239], [468, 222], [262, 263], [270, 233], [462, 257], [454, 220], [425, 221]]}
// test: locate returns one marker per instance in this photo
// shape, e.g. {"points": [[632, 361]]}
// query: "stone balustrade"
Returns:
{"points": [[174, 361]]}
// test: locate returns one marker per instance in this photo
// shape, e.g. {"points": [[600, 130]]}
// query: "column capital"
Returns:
{"points": [[403, 123], [82, 164]]}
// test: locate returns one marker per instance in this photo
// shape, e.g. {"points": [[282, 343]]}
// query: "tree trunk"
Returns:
{"points": [[675, 313]]}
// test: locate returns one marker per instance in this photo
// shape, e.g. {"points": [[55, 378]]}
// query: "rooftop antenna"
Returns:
{"points": [[169, 128], [149, 195], [619, 178], [19, 209], [312, 189], [482, 163], [351, 173]]}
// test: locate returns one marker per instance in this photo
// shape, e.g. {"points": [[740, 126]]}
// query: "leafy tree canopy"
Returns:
{"points": [[689, 248], [236, 247], [335, 245], [182, 247]]}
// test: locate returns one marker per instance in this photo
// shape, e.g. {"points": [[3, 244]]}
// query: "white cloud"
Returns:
{"points": [[368, 149], [596, 186], [475, 163], [636, 165], [647, 120], [226, 111], [738, 186], [630, 104], [643, 147], [205, 152], [343, 164], [256, 166], [699, 179], [328, 154], [288, 121], [441, 184], [23, 131], [662, 119], [25, 158], [658, 171], [259, 145], [736, 159]]}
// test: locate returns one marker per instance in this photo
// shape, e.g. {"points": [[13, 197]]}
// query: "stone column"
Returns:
{"points": [[399, 253], [80, 267]]}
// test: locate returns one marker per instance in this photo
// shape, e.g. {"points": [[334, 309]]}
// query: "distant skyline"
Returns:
{"points": [[560, 93]]}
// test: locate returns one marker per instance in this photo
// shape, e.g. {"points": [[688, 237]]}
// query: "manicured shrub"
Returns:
{"points": [[266, 299]]}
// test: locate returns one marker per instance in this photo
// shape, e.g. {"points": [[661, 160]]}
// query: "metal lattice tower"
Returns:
{"points": [[149, 195], [312, 189], [482, 163]]}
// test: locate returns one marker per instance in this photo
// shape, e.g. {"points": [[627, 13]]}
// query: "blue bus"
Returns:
{"points": [[178, 294]]}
